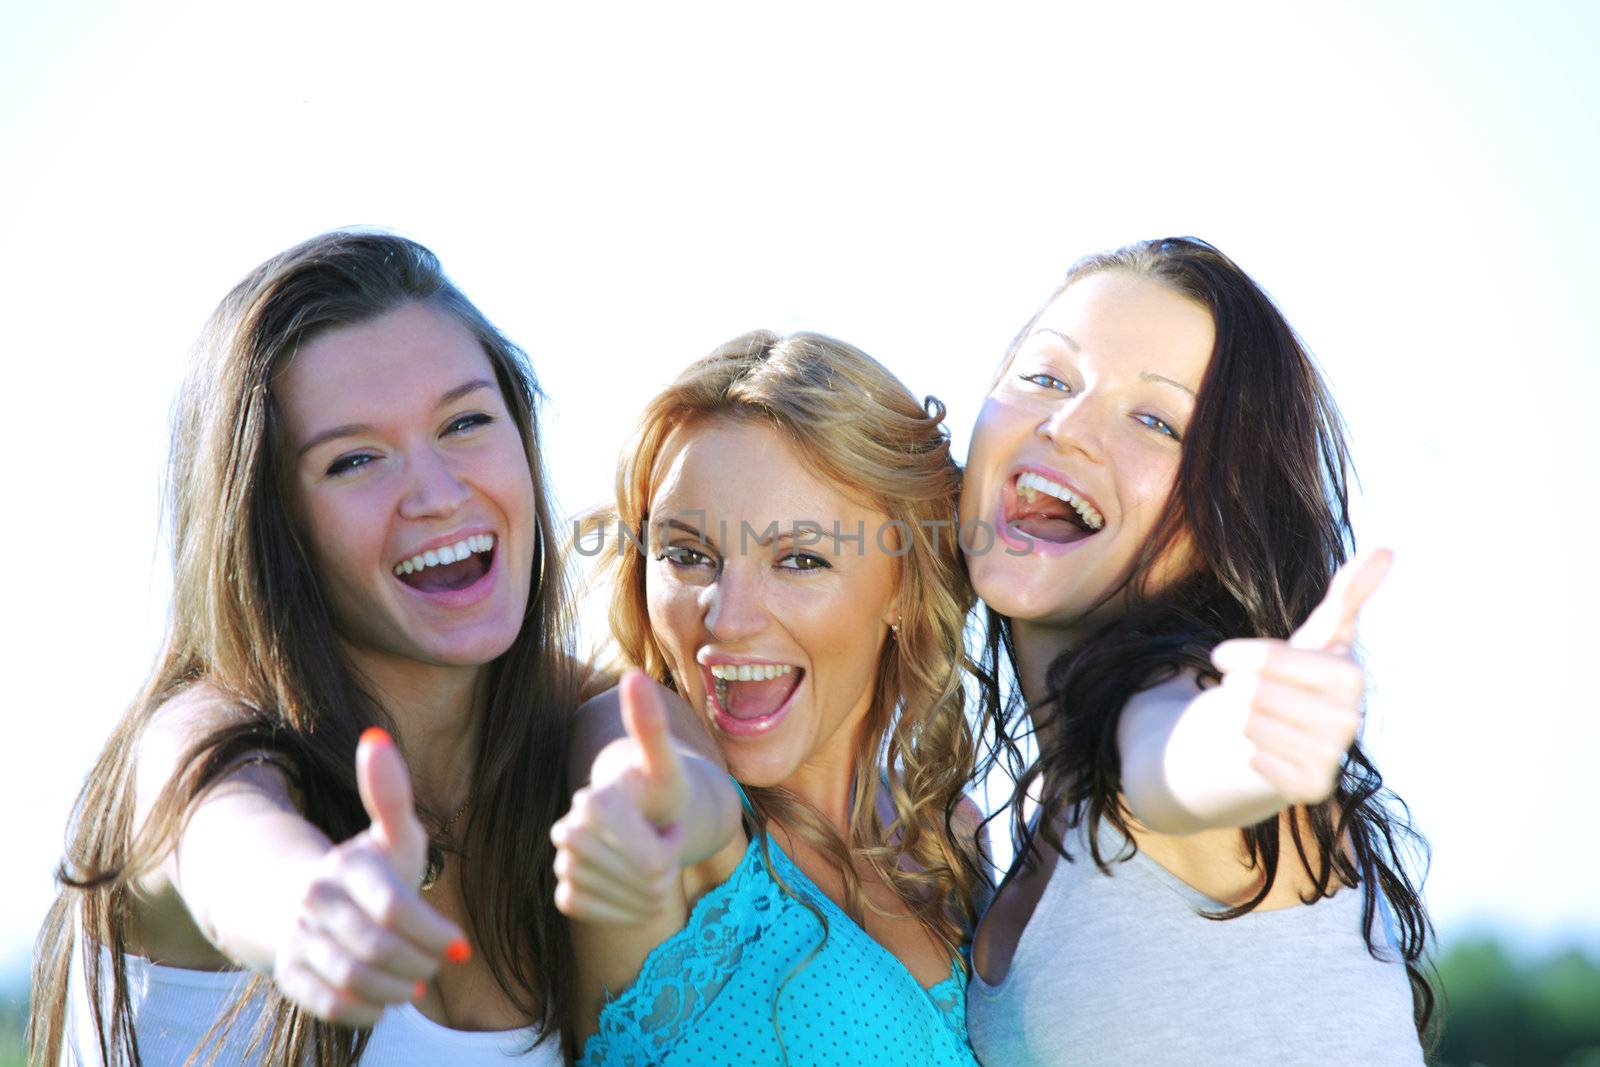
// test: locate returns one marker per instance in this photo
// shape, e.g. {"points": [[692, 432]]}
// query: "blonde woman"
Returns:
{"points": [[362, 551], [795, 602]]}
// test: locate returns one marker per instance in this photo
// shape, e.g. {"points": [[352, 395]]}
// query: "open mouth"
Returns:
{"points": [[450, 568], [750, 697], [1046, 510]]}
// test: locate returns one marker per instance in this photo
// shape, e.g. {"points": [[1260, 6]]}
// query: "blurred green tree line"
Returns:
{"points": [[1500, 1011]]}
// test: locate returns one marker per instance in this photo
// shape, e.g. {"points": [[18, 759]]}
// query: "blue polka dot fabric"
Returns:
{"points": [[757, 977]]}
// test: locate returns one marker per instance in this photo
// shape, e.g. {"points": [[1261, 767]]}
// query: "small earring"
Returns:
{"points": [[894, 628]]}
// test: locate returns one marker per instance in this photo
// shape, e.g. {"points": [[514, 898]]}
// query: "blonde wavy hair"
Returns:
{"points": [[861, 429]]}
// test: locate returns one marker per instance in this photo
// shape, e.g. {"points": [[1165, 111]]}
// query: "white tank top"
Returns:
{"points": [[173, 1010]]}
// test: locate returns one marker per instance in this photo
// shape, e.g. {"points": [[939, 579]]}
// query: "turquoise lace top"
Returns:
{"points": [[753, 979]]}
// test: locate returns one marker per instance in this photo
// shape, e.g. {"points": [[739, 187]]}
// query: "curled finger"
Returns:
{"points": [[352, 979], [302, 986], [583, 906], [369, 942], [1326, 719], [629, 890], [398, 908], [1314, 670], [1316, 758], [1290, 779]]}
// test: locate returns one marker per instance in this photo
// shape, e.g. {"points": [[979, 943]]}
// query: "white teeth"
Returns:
{"points": [[1031, 484], [455, 553], [749, 672]]}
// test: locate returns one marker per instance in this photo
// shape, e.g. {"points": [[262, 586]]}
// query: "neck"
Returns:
{"points": [[1037, 645], [824, 781], [437, 713]]}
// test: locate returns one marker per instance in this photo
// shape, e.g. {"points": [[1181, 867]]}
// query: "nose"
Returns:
{"points": [[434, 490], [1076, 424], [734, 604]]}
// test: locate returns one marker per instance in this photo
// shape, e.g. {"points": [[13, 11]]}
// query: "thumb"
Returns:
{"points": [[1332, 625], [645, 719], [385, 786]]}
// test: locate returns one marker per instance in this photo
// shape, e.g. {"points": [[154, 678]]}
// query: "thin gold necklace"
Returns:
{"points": [[435, 865]]}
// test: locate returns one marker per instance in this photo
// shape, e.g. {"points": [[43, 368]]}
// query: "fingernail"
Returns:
{"points": [[419, 990], [376, 735], [458, 951]]}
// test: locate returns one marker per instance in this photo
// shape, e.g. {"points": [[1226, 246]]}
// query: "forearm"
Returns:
{"points": [[1194, 784], [242, 867], [1186, 763]]}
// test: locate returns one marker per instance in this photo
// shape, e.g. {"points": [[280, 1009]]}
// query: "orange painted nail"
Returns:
{"points": [[376, 735], [458, 951], [419, 990]]}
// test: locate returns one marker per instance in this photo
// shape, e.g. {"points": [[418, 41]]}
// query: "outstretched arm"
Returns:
{"points": [[341, 928], [1274, 733]]}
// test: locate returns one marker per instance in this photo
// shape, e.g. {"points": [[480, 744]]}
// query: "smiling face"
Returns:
{"points": [[410, 487], [1076, 448], [775, 640]]}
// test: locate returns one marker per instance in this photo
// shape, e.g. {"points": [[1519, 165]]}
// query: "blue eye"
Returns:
{"points": [[804, 561], [1159, 425], [1046, 381], [346, 464], [683, 556], [467, 422]]}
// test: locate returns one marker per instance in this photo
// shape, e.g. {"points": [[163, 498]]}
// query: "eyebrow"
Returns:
{"points": [[788, 533], [1146, 376], [791, 532], [675, 524], [352, 429], [1075, 346]]}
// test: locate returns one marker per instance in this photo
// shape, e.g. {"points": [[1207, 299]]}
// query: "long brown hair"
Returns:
{"points": [[861, 429], [1262, 492], [249, 618]]}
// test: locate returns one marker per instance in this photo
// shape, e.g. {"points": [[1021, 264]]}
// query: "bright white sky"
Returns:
{"points": [[623, 189]]}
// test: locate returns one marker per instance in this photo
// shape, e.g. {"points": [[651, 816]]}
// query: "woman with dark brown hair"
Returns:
{"points": [[1154, 509], [364, 568]]}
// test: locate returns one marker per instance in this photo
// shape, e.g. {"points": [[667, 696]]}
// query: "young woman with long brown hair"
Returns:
{"points": [[1214, 874], [797, 610], [365, 567]]}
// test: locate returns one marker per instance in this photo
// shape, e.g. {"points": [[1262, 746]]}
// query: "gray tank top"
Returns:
{"points": [[1119, 969]]}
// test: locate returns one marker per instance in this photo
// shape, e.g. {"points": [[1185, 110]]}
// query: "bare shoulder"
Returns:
{"points": [[967, 819], [163, 753], [182, 721], [593, 678], [971, 830], [169, 737], [598, 722], [190, 713]]}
